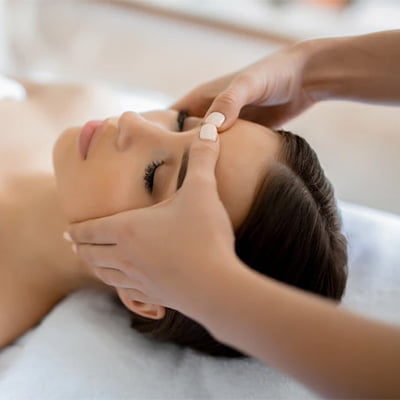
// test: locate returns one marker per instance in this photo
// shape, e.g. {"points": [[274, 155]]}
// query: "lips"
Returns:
{"points": [[86, 136]]}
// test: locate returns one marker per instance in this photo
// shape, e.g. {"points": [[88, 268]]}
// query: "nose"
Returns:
{"points": [[131, 125], [134, 128]]}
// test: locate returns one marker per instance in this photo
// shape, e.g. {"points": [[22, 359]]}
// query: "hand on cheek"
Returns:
{"points": [[159, 254]]}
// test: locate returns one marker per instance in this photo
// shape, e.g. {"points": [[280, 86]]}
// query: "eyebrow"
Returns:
{"points": [[182, 168]]}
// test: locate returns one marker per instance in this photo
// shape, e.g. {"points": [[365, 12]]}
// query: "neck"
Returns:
{"points": [[40, 225]]}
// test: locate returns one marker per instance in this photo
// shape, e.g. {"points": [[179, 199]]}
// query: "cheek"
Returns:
{"points": [[97, 193], [84, 201], [96, 189]]}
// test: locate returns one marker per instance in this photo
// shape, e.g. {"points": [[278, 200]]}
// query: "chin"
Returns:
{"points": [[65, 150]]}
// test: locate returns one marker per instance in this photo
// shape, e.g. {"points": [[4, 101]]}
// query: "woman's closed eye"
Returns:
{"points": [[151, 168], [149, 174]]}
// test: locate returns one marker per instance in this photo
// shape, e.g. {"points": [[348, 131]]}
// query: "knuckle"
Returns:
{"points": [[99, 272], [245, 80], [106, 279], [202, 165], [227, 99], [206, 180], [202, 150], [202, 179], [126, 264], [107, 276]]}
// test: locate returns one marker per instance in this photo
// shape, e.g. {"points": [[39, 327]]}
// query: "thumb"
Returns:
{"points": [[203, 157], [230, 102]]}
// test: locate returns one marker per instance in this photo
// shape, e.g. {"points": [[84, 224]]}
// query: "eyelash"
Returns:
{"points": [[152, 167], [182, 115], [149, 174]]}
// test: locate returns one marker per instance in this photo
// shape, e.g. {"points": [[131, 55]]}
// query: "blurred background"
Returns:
{"points": [[160, 49]]}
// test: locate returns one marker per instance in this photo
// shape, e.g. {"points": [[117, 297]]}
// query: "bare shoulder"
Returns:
{"points": [[68, 103], [29, 128]]}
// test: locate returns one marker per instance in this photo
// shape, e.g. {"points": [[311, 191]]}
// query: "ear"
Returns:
{"points": [[146, 310]]}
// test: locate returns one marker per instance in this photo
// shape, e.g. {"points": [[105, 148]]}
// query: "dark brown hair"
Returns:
{"points": [[291, 233]]}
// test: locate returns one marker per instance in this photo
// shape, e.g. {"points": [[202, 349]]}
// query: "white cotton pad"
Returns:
{"points": [[11, 90]]}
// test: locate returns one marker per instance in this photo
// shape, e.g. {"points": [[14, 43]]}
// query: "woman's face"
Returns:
{"points": [[110, 179]]}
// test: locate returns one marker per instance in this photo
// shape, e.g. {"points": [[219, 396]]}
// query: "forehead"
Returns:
{"points": [[247, 152]]}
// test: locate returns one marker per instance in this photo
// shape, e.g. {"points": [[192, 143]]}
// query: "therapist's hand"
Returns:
{"points": [[269, 92], [160, 253]]}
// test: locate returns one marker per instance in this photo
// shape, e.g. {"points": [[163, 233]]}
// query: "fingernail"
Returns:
{"points": [[208, 132], [74, 248], [215, 118], [67, 236]]}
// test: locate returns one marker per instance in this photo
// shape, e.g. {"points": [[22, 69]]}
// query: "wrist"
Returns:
{"points": [[326, 73], [222, 295], [211, 291]]}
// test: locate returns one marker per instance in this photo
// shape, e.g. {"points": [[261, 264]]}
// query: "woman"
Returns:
{"points": [[279, 202], [331, 350]]}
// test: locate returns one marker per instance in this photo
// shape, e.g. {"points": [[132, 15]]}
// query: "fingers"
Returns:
{"points": [[111, 277], [272, 117], [198, 100], [107, 266], [195, 104], [203, 157], [105, 256], [230, 101], [96, 231], [223, 98]]}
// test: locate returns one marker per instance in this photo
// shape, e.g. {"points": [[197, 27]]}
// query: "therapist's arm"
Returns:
{"points": [[363, 68], [284, 84], [197, 272], [329, 349]]}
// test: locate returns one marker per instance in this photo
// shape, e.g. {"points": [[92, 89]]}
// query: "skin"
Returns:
{"points": [[110, 180], [333, 351], [36, 208], [37, 267]]}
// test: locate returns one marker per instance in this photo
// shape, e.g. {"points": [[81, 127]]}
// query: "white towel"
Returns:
{"points": [[85, 349]]}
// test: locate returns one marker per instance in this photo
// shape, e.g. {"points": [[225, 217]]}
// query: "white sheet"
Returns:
{"points": [[85, 349]]}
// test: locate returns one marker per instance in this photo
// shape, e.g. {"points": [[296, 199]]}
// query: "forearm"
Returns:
{"points": [[363, 68], [329, 349]]}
